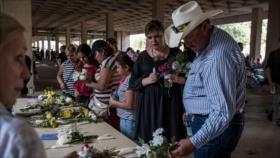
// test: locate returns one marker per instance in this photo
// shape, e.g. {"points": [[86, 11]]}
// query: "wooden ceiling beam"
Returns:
{"points": [[55, 16], [129, 15]]}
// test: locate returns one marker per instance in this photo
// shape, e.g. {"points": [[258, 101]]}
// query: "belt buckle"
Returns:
{"points": [[240, 111]]}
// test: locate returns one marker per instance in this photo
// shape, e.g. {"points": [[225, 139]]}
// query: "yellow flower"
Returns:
{"points": [[50, 101], [50, 94], [85, 112], [67, 113], [48, 115], [53, 123]]}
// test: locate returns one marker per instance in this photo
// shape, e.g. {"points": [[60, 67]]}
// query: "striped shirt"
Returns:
{"points": [[215, 86], [68, 69], [104, 95]]}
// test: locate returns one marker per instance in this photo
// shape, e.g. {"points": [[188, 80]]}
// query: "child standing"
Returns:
{"points": [[123, 98]]}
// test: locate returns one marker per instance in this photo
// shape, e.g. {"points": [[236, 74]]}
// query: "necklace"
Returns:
{"points": [[159, 55]]}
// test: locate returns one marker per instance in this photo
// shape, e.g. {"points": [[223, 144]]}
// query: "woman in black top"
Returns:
{"points": [[157, 106]]}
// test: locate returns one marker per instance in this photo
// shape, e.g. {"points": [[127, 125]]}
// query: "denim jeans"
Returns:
{"points": [[127, 127], [223, 145]]}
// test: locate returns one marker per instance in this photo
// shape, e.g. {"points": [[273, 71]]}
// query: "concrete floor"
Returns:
{"points": [[260, 138]]}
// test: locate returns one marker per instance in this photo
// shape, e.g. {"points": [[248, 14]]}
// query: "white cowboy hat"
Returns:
{"points": [[185, 18]]}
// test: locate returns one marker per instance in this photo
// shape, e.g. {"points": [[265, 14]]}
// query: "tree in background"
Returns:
{"points": [[241, 32]]}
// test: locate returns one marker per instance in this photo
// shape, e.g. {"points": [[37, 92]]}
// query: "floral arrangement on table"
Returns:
{"points": [[80, 75], [158, 147], [35, 105], [79, 114], [48, 120], [88, 151], [46, 101], [69, 134], [64, 116], [50, 97], [178, 65]]}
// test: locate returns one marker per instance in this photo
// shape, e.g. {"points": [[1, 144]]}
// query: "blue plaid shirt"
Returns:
{"points": [[215, 86]]}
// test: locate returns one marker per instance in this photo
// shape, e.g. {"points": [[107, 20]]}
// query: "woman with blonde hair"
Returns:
{"points": [[65, 73], [155, 107], [18, 139]]}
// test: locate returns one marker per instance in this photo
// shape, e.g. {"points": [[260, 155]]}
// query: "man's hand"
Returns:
{"points": [[185, 147]]}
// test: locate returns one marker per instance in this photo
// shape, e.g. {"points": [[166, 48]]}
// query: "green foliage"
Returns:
{"points": [[239, 31], [138, 42], [141, 141]]}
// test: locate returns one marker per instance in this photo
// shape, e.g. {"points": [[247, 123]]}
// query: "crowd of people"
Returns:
{"points": [[134, 95], [129, 91]]}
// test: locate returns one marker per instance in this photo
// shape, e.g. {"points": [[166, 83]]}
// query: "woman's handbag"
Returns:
{"points": [[99, 108]]}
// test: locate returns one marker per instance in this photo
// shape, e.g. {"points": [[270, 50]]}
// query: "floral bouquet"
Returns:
{"points": [[64, 116], [43, 102], [46, 101], [64, 101], [35, 106], [77, 114], [157, 148], [47, 120], [69, 134], [178, 65], [181, 65], [80, 75], [164, 70]]}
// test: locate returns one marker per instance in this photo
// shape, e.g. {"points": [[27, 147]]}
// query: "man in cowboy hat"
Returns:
{"points": [[214, 93]]}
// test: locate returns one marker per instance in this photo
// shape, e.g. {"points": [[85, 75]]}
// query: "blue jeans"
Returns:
{"points": [[223, 145], [127, 127]]}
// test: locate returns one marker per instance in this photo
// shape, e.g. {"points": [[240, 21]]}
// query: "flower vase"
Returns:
{"points": [[166, 82]]}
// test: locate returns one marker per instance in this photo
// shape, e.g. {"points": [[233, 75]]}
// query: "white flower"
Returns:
{"points": [[41, 97], [84, 71], [157, 141], [58, 101], [62, 97], [63, 139], [75, 76], [92, 116], [159, 131], [68, 100], [143, 150], [37, 122], [82, 154], [82, 77]]}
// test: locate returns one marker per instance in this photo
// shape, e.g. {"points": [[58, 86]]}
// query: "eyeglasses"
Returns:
{"points": [[180, 28]]}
